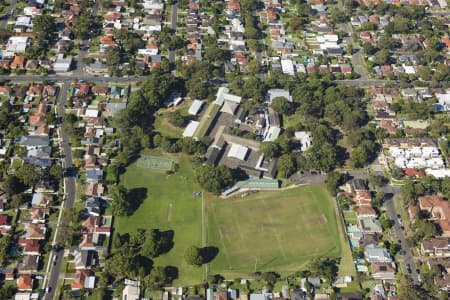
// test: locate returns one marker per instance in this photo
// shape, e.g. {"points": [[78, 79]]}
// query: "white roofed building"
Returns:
{"points": [[195, 107], [189, 131], [238, 151]]}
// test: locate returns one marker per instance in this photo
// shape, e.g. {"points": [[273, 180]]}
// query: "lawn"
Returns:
{"points": [[169, 205], [274, 231]]}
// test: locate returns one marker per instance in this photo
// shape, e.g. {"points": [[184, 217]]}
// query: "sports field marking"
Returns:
{"points": [[155, 162], [275, 232], [225, 251], [169, 212]]}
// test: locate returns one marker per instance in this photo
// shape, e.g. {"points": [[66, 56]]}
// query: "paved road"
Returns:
{"points": [[10, 9], [87, 77], [390, 191], [173, 26], [70, 189]]}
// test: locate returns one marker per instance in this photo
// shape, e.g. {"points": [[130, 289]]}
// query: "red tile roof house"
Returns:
{"points": [[363, 198], [35, 90], [79, 280], [100, 90], [4, 222], [366, 211], [36, 231], [30, 247], [25, 283], [18, 62], [94, 189], [38, 215], [439, 210], [5, 90]]}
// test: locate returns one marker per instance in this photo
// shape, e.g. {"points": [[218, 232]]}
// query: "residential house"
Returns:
{"points": [[41, 200], [374, 253], [383, 271], [80, 280], [29, 264], [439, 210], [18, 62], [435, 247], [25, 283]]}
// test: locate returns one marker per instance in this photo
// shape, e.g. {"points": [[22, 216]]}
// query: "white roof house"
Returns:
{"points": [[274, 93], [195, 107], [409, 69], [131, 292], [305, 139], [272, 134], [238, 151], [17, 44], [91, 112], [190, 129], [438, 173], [224, 95], [62, 64], [444, 100], [148, 52], [24, 21], [287, 67]]}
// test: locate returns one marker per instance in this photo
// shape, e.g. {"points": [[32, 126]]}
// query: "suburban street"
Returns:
{"points": [[390, 191], [70, 189], [10, 8], [173, 26]]}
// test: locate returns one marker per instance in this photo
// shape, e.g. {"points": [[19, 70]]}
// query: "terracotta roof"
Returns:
{"points": [[439, 209], [90, 223], [382, 267], [80, 278], [18, 60], [31, 246], [366, 210], [4, 220], [24, 283], [233, 5], [413, 173], [446, 41]]}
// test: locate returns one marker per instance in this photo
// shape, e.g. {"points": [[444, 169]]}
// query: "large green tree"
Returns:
{"points": [[213, 178], [44, 27]]}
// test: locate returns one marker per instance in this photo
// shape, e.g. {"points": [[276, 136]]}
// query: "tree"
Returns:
{"points": [[177, 119], [43, 27], [193, 256], [13, 185], [406, 289], [82, 25], [55, 171], [213, 178], [17, 200], [326, 267], [286, 166], [29, 174], [112, 56], [270, 149], [334, 180], [281, 105], [120, 205]]}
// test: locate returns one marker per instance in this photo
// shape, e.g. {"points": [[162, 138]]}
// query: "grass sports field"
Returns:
{"points": [[274, 231], [169, 204]]}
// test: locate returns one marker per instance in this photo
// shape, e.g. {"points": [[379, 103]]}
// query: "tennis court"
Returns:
{"points": [[155, 163]]}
